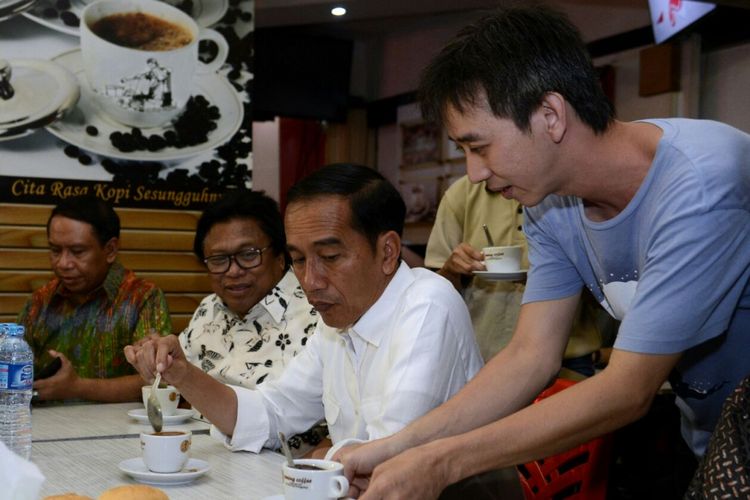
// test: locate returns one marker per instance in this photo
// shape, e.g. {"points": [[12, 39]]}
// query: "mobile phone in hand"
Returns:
{"points": [[48, 370]]}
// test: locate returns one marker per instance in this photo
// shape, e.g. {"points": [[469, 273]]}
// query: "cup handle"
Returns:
{"points": [[339, 486], [221, 54]]}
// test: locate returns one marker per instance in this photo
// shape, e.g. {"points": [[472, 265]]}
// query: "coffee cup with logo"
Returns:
{"points": [[166, 451], [314, 479], [502, 259], [168, 397], [140, 58]]}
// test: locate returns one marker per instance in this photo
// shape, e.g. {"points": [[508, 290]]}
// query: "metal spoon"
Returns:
{"points": [[286, 450], [487, 234], [153, 407]]}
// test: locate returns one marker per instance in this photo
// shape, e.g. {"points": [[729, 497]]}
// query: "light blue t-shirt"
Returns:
{"points": [[673, 266]]}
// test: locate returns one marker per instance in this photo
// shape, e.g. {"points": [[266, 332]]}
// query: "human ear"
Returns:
{"points": [[554, 113], [111, 248], [390, 243]]}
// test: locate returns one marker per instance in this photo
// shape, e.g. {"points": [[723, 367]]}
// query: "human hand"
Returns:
{"points": [[415, 474], [158, 354], [359, 460], [62, 385], [464, 260]]}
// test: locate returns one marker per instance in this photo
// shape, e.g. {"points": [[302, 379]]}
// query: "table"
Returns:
{"points": [[78, 448], [87, 421]]}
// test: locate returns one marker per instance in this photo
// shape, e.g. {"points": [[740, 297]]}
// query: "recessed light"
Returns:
{"points": [[338, 11]]}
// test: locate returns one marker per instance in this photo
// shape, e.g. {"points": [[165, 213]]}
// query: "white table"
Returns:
{"points": [[78, 449], [84, 421]]}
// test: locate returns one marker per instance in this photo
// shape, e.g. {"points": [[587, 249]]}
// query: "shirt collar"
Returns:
{"points": [[275, 302], [110, 285], [373, 324]]}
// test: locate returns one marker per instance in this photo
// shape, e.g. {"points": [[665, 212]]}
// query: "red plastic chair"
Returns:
{"points": [[577, 474]]}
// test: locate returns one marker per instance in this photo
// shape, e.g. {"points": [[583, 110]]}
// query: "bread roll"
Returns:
{"points": [[134, 492], [67, 496]]}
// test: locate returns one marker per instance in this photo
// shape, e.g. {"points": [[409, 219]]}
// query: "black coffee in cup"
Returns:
{"points": [[138, 30], [308, 467], [167, 433]]}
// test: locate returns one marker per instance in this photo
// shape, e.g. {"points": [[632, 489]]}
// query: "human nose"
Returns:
{"points": [[63, 259], [312, 276], [476, 169], [234, 267]]}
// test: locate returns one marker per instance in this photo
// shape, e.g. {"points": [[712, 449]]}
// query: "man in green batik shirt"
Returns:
{"points": [[91, 310]]}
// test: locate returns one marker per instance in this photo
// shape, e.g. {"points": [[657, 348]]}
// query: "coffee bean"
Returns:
{"points": [[71, 151], [91, 130], [70, 19]]}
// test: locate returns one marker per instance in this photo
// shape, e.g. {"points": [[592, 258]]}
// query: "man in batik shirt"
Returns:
{"points": [[91, 310]]}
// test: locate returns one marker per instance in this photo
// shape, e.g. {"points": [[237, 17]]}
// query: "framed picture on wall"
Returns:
{"points": [[421, 144]]}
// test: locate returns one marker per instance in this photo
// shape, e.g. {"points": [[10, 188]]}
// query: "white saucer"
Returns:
{"points": [[512, 276], [205, 13], [72, 129], [136, 468], [182, 415], [10, 8]]}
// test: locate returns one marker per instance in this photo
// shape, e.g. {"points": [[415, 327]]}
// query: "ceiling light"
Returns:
{"points": [[338, 11]]}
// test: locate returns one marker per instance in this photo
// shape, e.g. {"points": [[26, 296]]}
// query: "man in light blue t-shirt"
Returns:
{"points": [[651, 216]]}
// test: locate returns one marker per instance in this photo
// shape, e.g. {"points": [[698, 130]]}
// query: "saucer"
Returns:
{"points": [[508, 276], [136, 468], [205, 13], [182, 415], [10, 8], [72, 129]]}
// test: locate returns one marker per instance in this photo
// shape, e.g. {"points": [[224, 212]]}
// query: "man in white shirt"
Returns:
{"points": [[394, 342]]}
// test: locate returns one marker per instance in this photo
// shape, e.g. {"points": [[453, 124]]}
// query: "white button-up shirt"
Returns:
{"points": [[410, 352], [246, 351]]}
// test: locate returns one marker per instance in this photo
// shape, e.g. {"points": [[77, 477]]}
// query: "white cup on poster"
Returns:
{"points": [[141, 66]]}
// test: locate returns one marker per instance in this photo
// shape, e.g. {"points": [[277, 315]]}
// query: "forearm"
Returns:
{"points": [[485, 399], [109, 390], [589, 409], [216, 401]]}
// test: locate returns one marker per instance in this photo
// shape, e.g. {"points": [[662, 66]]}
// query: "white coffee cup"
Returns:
{"points": [[143, 88], [325, 481], [502, 259], [166, 451], [168, 397]]}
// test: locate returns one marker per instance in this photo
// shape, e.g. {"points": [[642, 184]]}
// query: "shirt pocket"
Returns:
{"points": [[332, 411]]}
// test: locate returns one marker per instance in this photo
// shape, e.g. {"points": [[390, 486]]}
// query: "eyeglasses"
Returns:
{"points": [[245, 259]]}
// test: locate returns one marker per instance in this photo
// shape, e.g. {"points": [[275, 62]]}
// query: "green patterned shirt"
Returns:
{"points": [[93, 334]]}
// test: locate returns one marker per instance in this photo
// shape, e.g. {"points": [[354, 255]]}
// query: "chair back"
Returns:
{"points": [[576, 474]]}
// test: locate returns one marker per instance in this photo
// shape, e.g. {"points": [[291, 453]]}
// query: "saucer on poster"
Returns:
{"points": [[181, 415], [48, 13], [136, 468], [10, 8], [503, 276], [72, 129]]}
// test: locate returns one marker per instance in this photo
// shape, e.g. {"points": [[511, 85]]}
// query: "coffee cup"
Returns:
{"points": [[168, 397], [140, 58], [314, 479], [502, 259], [166, 451]]}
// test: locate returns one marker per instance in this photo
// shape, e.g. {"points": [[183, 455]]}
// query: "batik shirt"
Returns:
{"points": [[246, 350], [93, 334]]}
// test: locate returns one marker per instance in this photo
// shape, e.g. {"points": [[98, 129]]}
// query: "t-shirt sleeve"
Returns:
{"points": [[447, 232], [552, 272]]}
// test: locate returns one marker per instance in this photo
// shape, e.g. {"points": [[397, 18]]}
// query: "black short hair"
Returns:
{"points": [[93, 211], [244, 204], [376, 206], [515, 56]]}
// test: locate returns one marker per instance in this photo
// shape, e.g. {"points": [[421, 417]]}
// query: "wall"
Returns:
{"points": [[266, 164], [726, 78]]}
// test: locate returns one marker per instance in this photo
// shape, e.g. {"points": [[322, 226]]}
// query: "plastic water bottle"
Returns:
{"points": [[16, 378]]}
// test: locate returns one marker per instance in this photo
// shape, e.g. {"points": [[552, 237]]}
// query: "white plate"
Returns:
{"points": [[44, 92], [514, 276], [136, 468], [10, 8], [72, 129], [182, 415], [205, 13]]}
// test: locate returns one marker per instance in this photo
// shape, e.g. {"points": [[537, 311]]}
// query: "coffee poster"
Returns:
{"points": [[199, 145]]}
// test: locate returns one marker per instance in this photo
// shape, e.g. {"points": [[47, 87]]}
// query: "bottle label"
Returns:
{"points": [[18, 377]]}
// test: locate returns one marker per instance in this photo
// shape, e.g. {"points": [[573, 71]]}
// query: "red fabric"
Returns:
{"points": [[302, 151]]}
